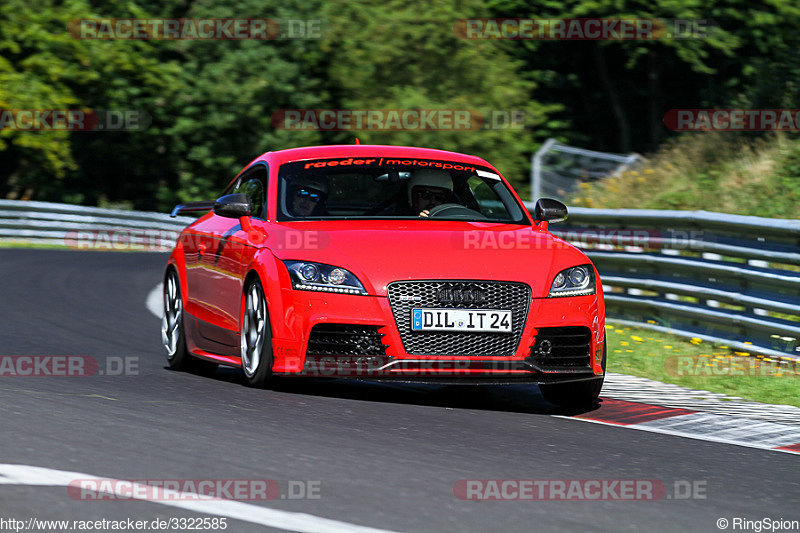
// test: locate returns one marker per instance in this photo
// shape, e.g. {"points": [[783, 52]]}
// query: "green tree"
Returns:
{"points": [[43, 66], [406, 55], [619, 90], [229, 91]]}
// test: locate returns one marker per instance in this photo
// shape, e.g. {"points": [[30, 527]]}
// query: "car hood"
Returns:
{"points": [[379, 252]]}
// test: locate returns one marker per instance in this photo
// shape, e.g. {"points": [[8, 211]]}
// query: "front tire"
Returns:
{"points": [[172, 333], [256, 336]]}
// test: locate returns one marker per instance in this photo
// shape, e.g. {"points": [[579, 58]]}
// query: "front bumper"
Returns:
{"points": [[382, 354]]}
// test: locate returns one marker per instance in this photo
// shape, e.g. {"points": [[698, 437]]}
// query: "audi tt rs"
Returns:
{"points": [[383, 263]]}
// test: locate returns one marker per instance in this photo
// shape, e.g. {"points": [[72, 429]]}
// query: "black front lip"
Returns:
{"points": [[377, 368], [533, 379]]}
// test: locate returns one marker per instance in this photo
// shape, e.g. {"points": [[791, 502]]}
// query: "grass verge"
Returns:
{"points": [[48, 246], [710, 171], [31, 244], [698, 364]]}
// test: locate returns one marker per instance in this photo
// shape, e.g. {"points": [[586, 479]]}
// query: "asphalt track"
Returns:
{"points": [[385, 456]]}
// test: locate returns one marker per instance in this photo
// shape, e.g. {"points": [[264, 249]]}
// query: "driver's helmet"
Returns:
{"points": [[429, 177]]}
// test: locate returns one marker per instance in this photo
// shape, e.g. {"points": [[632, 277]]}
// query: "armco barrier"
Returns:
{"points": [[726, 278], [87, 227]]}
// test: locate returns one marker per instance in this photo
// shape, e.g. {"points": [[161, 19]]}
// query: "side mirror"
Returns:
{"points": [[189, 207], [232, 206], [550, 210]]}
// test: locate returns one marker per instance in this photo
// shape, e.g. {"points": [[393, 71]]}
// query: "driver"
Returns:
{"points": [[307, 197], [429, 188]]}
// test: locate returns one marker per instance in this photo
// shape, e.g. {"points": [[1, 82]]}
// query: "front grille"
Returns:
{"points": [[407, 295], [345, 339], [562, 348]]}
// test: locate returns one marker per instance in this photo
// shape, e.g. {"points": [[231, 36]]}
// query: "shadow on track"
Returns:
{"points": [[516, 398]]}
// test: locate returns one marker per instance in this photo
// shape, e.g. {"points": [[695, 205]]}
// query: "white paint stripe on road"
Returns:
{"points": [[642, 390], [729, 428], [675, 433], [11, 474], [154, 301]]}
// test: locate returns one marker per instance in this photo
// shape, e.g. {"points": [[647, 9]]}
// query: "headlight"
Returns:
{"points": [[575, 281], [309, 276]]}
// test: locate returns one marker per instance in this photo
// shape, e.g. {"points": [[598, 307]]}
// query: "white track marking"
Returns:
{"points": [[642, 390], [11, 474], [646, 426], [728, 429], [155, 302]]}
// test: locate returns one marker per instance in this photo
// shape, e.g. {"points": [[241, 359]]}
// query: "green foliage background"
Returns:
{"points": [[211, 102]]}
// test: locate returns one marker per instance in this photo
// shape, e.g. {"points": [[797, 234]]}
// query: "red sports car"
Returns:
{"points": [[383, 262]]}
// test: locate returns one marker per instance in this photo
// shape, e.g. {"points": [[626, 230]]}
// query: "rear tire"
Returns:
{"points": [[172, 333], [580, 394], [256, 336]]}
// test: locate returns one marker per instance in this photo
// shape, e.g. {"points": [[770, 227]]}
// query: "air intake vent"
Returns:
{"points": [[345, 339], [565, 348]]}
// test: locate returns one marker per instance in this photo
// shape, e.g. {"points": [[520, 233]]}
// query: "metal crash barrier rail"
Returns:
{"points": [[91, 228], [724, 278]]}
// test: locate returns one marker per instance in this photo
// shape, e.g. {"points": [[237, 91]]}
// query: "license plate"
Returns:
{"points": [[474, 320]]}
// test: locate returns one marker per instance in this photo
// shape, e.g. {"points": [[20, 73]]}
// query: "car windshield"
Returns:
{"points": [[384, 188]]}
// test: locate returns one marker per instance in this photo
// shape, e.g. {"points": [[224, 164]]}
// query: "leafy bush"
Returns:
{"points": [[709, 171]]}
